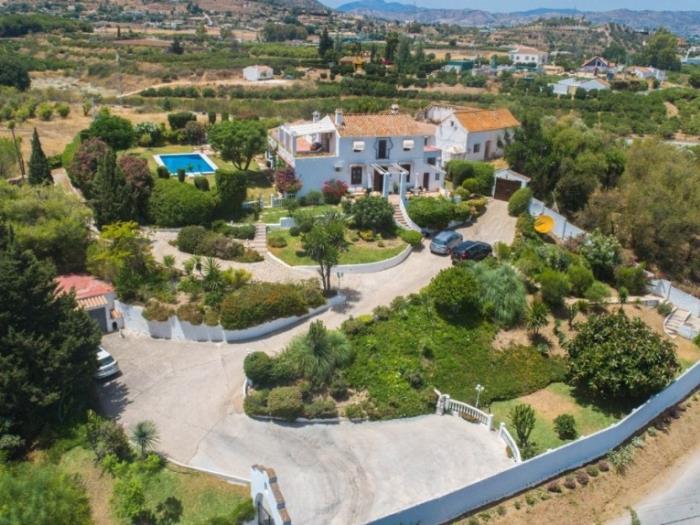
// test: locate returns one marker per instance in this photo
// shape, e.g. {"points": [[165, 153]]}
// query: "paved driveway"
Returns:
{"points": [[333, 473]]}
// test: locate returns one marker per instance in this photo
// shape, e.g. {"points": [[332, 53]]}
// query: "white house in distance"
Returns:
{"points": [[257, 73], [524, 55], [386, 153], [598, 66], [647, 73], [569, 86], [94, 296], [471, 133]]}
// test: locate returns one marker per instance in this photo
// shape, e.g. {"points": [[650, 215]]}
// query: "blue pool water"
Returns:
{"points": [[190, 162]]}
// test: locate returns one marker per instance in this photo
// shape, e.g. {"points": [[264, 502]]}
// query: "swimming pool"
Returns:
{"points": [[193, 163]]}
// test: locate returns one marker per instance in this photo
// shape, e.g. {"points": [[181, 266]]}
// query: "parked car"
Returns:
{"points": [[471, 251], [107, 366], [444, 241]]}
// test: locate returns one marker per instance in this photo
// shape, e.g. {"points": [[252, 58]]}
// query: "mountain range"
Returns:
{"points": [[685, 23]]}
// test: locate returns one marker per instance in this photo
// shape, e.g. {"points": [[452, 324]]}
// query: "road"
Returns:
{"points": [[674, 503]]}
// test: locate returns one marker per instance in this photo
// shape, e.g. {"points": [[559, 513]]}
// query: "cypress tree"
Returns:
{"points": [[111, 197], [39, 171], [47, 347]]}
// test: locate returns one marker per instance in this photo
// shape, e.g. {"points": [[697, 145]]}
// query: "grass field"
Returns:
{"points": [[556, 399], [273, 215], [202, 497], [359, 252]]}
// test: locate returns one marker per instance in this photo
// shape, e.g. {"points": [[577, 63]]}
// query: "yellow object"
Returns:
{"points": [[544, 224]]}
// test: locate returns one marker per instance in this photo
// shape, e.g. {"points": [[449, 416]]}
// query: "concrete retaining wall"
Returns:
{"points": [[178, 330], [562, 227], [547, 465]]}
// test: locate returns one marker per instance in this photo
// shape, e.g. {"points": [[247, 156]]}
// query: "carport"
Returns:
{"points": [[507, 183]]}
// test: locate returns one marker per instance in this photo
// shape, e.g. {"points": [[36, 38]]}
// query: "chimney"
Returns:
{"points": [[339, 117], [316, 116], [394, 109]]}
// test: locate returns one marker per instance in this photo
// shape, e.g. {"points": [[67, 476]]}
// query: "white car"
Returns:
{"points": [[106, 365]]}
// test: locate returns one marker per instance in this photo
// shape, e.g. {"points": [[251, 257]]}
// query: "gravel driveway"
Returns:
{"points": [[332, 473]]}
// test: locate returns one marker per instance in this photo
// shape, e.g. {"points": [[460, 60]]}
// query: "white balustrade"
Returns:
{"points": [[510, 442]]}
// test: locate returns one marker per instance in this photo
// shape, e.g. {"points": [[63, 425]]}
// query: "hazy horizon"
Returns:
{"points": [[526, 5]]}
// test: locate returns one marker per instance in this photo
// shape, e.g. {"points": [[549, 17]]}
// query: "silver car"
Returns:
{"points": [[107, 366], [444, 241]]}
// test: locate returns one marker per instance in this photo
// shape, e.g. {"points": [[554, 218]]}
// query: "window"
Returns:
{"points": [[382, 149], [356, 176], [408, 145], [437, 177], [477, 148], [432, 161], [358, 146]]}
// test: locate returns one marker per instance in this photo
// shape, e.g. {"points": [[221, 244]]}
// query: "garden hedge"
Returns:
{"points": [[174, 204]]}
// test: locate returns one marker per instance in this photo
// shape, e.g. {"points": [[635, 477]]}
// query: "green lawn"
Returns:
{"points": [[273, 215], [359, 252], [556, 399], [400, 360], [202, 496]]}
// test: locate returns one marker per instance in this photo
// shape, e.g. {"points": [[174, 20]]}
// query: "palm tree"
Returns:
{"points": [[169, 261], [145, 436], [318, 353], [537, 317]]}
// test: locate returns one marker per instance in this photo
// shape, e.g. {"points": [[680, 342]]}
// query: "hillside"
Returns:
{"points": [[685, 23]]}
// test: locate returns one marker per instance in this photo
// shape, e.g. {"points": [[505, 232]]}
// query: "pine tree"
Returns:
{"points": [[39, 171], [325, 43], [111, 200], [47, 347]]}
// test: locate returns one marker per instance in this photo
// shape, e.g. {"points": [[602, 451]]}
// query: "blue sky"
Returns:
{"points": [[519, 5]]}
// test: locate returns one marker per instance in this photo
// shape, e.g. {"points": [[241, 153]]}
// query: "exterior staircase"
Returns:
{"points": [[674, 321], [398, 216], [259, 242]]}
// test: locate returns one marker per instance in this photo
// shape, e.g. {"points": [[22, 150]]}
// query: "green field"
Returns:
{"points": [[359, 252]]}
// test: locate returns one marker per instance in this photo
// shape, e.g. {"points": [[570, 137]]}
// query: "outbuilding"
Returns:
{"points": [[507, 182], [257, 73], [94, 296]]}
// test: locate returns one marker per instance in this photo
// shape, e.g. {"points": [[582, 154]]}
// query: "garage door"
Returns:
{"points": [[99, 316], [505, 188]]}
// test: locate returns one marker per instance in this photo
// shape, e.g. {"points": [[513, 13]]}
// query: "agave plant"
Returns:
{"points": [[145, 436]]}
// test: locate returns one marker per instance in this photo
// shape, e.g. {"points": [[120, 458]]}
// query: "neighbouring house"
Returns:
{"points": [[257, 73], [525, 56], [471, 133], [94, 296], [385, 153], [269, 503], [646, 73], [458, 66], [553, 70], [507, 182], [569, 86], [598, 66]]}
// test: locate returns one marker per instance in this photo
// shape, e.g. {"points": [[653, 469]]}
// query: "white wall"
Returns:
{"points": [[547, 465]]}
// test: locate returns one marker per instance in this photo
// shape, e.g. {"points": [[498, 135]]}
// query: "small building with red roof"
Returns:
{"points": [[94, 296]]}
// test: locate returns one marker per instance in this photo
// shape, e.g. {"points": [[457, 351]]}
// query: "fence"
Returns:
{"points": [[510, 442], [548, 465], [463, 409], [562, 227], [676, 297]]}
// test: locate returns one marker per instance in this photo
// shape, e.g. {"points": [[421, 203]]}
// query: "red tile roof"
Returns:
{"points": [[476, 120], [85, 286], [384, 125]]}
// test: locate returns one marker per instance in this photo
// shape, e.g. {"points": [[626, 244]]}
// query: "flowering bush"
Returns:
{"points": [[333, 191], [286, 181]]}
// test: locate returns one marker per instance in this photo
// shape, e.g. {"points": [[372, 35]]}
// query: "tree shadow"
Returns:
{"points": [[113, 398], [608, 407], [352, 296]]}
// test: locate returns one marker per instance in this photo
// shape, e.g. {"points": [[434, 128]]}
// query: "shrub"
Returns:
{"points": [[216, 245], [162, 172], [255, 404], [334, 190], [482, 172], [456, 292], [570, 482], [478, 206], [582, 478], [231, 188], [664, 308], [603, 466], [592, 471], [191, 313], [554, 286], [189, 237], [621, 458], [565, 426], [373, 213], [338, 388], [428, 212], [116, 132], [201, 183], [603, 254], [304, 220], [276, 241], [83, 166], [44, 111], [157, 311], [62, 109], [180, 120], [581, 278], [313, 198], [519, 202], [503, 296], [464, 211], [366, 235], [355, 411], [597, 293], [633, 278], [471, 186], [257, 303], [615, 357], [239, 231], [174, 204], [321, 409], [554, 486], [258, 367], [411, 237], [285, 402]]}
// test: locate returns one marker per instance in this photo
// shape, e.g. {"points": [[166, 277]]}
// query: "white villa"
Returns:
{"points": [[471, 133], [385, 153], [523, 55], [569, 86]]}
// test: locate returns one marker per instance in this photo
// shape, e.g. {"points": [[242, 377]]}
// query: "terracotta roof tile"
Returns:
{"points": [[384, 125], [476, 120], [84, 285]]}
